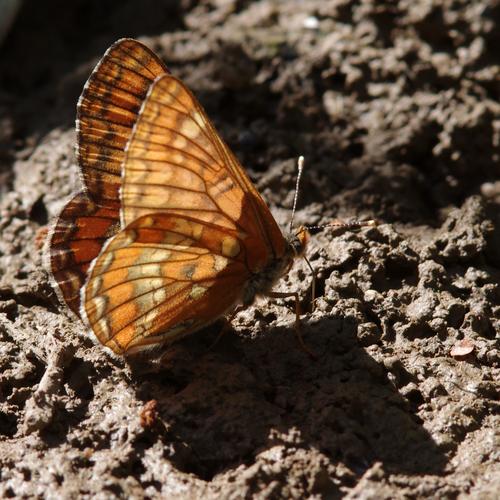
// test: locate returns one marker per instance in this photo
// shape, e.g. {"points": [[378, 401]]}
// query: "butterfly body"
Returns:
{"points": [[262, 282], [169, 233]]}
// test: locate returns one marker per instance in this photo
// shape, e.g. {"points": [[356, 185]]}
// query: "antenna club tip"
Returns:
{"points": [[300, 162]]}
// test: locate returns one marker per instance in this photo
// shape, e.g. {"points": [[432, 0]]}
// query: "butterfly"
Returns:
{"points": [[168, 233]]}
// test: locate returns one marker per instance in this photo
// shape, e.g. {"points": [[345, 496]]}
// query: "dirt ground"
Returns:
{"points": [[395, 107]]}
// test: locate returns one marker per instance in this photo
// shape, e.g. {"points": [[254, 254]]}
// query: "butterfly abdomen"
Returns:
{"points": [[262, 282]]}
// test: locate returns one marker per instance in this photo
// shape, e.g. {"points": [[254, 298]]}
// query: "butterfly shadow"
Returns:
{"points": [[257, 393]]}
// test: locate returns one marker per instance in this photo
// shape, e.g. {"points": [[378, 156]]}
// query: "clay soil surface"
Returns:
{"points": [[395, 107]]}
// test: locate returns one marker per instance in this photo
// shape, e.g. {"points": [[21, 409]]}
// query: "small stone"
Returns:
{"points": [[422, 308], [462, 348]]}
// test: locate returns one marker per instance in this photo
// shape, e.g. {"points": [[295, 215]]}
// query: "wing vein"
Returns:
{"points": [[177, 132], [153, 57], [187, 113]]}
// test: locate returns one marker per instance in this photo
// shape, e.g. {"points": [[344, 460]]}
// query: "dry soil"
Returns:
{"points": [[395, 107]]}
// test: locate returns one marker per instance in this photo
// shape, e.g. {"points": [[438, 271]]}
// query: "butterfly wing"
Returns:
{"points": [[176, 161], [75, 240], [162, 277], [107, 111]]}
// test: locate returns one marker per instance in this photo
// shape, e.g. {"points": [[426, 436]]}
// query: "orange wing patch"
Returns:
{"points": [[172, 161]]}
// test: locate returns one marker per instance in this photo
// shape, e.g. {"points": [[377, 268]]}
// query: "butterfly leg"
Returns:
{"points": [[298, 330], [226, 326]]}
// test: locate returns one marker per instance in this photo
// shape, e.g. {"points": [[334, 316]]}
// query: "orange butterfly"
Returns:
{"points": [[169, 232]]}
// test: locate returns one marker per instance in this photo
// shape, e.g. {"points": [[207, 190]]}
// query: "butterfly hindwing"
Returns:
{"points": [[162, 277], [75, 240]]}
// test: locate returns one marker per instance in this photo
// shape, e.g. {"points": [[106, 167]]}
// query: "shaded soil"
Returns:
{"points": [[395, 107]]}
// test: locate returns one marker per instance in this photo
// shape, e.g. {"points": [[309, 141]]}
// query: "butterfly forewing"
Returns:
{"points": [[107, 111], [176, 161]]}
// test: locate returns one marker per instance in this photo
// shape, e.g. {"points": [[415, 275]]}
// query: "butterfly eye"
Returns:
{"points": [[299, 241], [303, 236]]}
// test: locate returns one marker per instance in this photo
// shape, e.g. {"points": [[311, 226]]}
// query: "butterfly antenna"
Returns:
{"points": [[300, 166], [355, 224]]}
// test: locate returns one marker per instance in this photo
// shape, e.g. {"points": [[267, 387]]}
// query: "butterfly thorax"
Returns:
{"points": [[262, 282]]}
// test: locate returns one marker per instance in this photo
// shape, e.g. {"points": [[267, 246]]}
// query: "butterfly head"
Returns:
{"points": [[298, 241]]}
